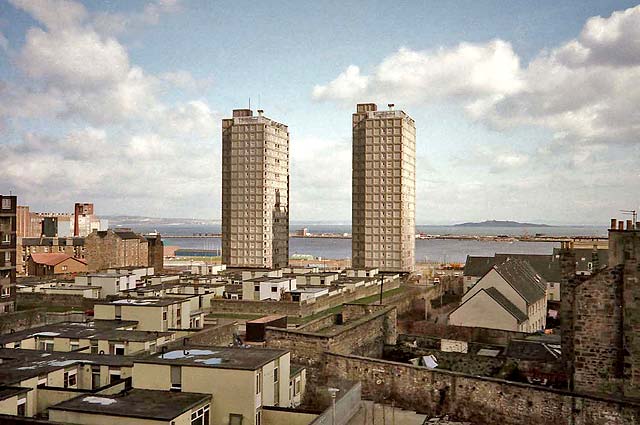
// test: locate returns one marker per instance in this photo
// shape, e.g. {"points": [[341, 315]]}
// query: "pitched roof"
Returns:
{"points": [[523, 279], [478, 266], [52, 258], [548, 266], [506, 304]]}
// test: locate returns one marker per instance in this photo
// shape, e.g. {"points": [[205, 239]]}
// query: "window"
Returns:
{"points": [[42, 380], [94, 346], [64, 268], [235, 419], [114, 374], [46, 345], [70, 379], [22, 407], [74, 344], [6, 238], [164, 315], [6, 203], [95, 377], [258, 383], [256, 288], [201, 416], [176, 379], [274, 289]]}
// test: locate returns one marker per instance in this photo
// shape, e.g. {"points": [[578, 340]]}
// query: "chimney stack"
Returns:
{"points": [[621, 225], [614, 224], [260, 112], [391, 105], [629, 224]]}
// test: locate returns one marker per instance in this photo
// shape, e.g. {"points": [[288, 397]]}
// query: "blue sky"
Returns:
{"points": [[522, 108]]}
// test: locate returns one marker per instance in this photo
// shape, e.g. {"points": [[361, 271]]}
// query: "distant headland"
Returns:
{"points": [[500, 223]]}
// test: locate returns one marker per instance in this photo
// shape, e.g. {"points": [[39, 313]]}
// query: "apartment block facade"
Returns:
{"points": [[383, 189], [7, 253], [255, 191], [115, 248]]}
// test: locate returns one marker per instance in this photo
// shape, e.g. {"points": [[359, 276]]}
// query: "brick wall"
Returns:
{"points": [[476, 399]]}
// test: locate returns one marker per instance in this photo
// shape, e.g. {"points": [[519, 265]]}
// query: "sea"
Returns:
{"points": [[427, 250]]}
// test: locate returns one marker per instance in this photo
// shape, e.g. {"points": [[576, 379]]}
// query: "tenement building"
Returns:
{"points": [[255, 191], [384, 179], [600, 316], [7, 253], [115, 248]]}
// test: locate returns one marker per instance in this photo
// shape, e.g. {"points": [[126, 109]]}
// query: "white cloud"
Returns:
{"points": [[119, 23], [466, 71], [4, 43], [113, 138], [182, 79], [585, 90]]}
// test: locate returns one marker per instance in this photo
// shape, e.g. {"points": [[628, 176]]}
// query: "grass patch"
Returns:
{"points": [[374, 298], [248, 316], [49, 308]]}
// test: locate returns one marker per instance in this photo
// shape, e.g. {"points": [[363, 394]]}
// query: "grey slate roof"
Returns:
{"points": [[548, 266], [506, 304], [523, 279]]}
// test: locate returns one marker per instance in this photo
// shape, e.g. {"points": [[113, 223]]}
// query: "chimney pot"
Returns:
{"points": [[621, 225], [260, 112], [391, 105], [629, 225], [614, 224]]}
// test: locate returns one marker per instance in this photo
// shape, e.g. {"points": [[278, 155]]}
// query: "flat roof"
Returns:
{"points": [[136, 403], [216, 357], [8, 391], [18, 365], [99, 329], [145, 302]]}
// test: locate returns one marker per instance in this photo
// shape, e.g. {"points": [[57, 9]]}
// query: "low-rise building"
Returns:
{"points": [[267, 288], [96, 337], [135, 406], [240, 380], [72, 246], [109, 283], [510, 296], [54, 263], [155, 314]]}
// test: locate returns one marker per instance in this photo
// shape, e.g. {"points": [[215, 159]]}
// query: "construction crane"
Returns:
{"points": [[633, 214]]}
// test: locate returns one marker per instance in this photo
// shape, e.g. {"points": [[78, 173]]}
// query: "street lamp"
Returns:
{"points": [[334, 393]]}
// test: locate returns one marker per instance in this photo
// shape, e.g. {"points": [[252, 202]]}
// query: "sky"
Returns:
{"points": [[524, 111]]}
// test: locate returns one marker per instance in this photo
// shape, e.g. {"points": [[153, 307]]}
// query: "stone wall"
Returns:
{"points": [[461, 333], [215, 335], [364, 336], [476, 399], [19, 320], [295, 309], [35, 299], [597, 330]]}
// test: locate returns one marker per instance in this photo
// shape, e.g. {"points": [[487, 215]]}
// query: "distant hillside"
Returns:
{"points": [[500, 223]]}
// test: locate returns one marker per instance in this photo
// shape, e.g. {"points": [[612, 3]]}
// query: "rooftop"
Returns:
{"points": [[145, 302], [506, 304], [18, 365], [52, 258], [135, 403], [217, 357], [7, 391], [523, 278]]}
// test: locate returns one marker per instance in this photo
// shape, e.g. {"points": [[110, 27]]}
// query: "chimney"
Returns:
{"points": [[391, 105], [629, 225], [260, 112], [614, 224], [621, 225]]}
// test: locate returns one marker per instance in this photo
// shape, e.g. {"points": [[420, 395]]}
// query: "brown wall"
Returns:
{"points": [[106, 249]]}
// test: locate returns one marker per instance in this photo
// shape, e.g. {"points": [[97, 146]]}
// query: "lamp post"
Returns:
{"points": [[334, 393]]}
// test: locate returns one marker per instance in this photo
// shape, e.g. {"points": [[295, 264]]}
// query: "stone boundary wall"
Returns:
{"points": [[24, 319], [347, 405], [460, 333], [296, 309], [364, 336], [221, 335], [474, 398], [319, 324], [58, 300]]}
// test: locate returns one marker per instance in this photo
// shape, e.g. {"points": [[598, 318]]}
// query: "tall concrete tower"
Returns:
{"points": [[383, 195], [255, 191]]}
